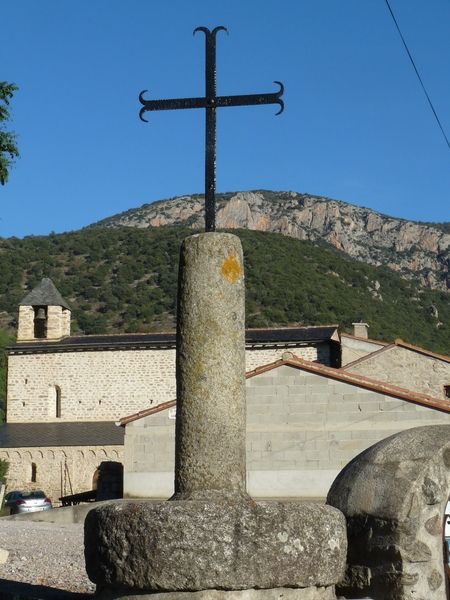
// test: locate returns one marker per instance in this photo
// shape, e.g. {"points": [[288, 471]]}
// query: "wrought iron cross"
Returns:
{"points": [[210, 102]]}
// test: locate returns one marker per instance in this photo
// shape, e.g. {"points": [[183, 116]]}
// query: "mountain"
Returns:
{"points": [[418, 251]]}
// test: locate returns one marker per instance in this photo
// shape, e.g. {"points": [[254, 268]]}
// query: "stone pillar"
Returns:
{"points": [[54, 322], [65, 322], [212, 541], [210, 428], [25, 327]]}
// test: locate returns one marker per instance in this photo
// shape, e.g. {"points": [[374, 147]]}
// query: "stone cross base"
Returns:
{"points": [[181, 546]]}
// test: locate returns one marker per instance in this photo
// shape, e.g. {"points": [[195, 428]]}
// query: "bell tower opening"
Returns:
{"points": [[40, 322]]}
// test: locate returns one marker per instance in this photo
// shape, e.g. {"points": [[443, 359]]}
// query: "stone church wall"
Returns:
{"points": [[302, 429], [59, 471], [406, 368], [104, 385], [354, 348]]}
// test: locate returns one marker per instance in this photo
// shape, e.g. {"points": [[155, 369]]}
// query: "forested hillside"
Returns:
{"points": [[124, 280]]}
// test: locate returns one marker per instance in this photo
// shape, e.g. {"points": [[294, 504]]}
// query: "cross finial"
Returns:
{"points": [[210, 102]]}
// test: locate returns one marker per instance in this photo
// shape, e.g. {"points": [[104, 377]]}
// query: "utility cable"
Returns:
{"points": [[418, 74]]}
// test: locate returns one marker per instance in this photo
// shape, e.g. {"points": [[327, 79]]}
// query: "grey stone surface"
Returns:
{"points": [[394, 496], [326, 593], [195, 545], [210, 426]]}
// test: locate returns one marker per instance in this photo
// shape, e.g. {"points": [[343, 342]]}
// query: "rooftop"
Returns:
{"points": [[21, 435], [44, 294], [282, 336]]}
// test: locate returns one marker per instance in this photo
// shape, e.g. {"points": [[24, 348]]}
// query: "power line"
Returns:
{"points": [[418, 74]]}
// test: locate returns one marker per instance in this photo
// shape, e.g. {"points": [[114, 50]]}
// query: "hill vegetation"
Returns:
{"points": [[124, 280]]}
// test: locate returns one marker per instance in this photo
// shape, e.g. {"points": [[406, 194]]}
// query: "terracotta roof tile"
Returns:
{"points": [[402, 344]]}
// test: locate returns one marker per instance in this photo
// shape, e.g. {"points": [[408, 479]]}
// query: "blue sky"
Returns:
{"points": [[356, 125]]}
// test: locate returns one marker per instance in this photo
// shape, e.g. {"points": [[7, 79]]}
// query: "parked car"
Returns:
{"points": [[22, 502]]}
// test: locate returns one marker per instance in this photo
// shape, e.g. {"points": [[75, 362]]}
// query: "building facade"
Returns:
{"points": [[305, 422]]}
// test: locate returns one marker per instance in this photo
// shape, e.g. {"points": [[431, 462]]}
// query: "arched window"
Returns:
{"points": [[33, 472], [57, 402]]}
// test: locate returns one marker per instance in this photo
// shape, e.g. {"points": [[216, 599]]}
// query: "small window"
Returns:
{"points": [[33, 472], [57, 401], [447, 391]]}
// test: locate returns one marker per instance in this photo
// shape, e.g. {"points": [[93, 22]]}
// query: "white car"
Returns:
{"points": [[22, 502]]}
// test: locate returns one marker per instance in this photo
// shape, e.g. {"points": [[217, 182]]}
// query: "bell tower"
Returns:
{"points": [[44, 315]]}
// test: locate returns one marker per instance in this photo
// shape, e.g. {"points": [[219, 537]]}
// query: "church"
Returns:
{"points": [[65, 393]]}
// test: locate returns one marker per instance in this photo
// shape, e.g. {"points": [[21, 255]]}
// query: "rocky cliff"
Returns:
{"points": [[415, 250]]}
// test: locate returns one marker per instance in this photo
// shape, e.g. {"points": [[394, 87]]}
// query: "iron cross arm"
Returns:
{"points": [[210, 101], [216, 102]]}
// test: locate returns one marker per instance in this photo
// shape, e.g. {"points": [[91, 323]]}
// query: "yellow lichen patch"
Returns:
{"points": [[231, 269]]}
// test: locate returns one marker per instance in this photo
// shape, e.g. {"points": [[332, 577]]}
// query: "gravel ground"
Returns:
{"points": [[44, 554]]}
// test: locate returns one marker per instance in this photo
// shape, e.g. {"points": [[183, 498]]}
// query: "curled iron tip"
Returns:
{"points": [[281, 103], [278, 95], [142, 101], [281, 90], [141, 112], [208, 32], [204, 29], [141, 96], [219, 28]]}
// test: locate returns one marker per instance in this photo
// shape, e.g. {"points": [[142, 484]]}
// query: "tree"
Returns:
{"points": [[8, 147]]}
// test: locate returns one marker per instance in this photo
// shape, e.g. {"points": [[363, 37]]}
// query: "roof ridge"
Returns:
{"points": [[359, 380], [402, 344], [146, 412], [44, 294], [369, 340], [367, 356]]}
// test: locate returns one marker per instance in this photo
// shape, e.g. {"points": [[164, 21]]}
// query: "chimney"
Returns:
{"points": [[361, 330]]}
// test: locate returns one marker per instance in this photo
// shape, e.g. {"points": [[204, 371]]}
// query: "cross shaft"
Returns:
{"points": [[210, 102]]}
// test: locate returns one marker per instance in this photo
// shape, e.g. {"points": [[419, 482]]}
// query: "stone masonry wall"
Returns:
{"points": [[58, 322], [355, 348], [104, 385], [59, 470], [302, 429], [25, 329], [406, 368]]}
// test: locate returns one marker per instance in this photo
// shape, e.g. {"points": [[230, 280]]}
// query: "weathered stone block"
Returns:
{"points": [[199, 545]]}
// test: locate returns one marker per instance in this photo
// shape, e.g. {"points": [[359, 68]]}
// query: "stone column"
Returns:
{"points": [[210, 426], [25, 329]]}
